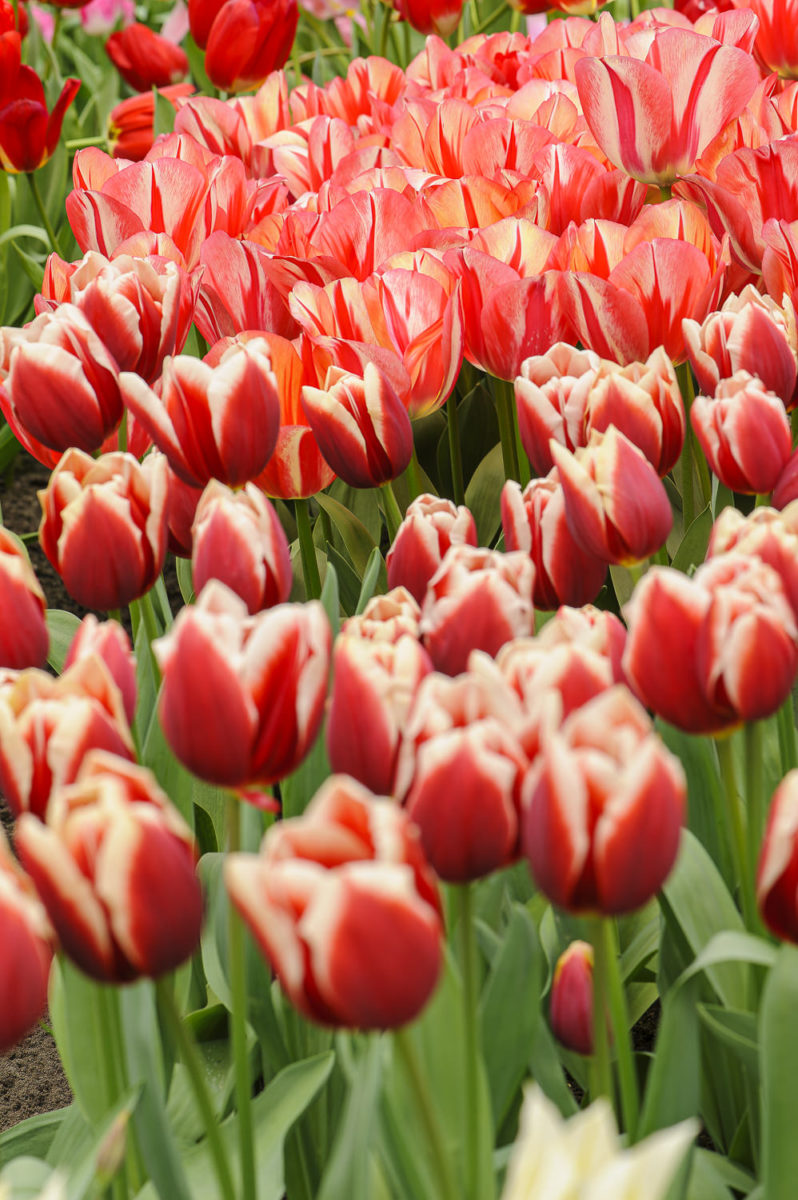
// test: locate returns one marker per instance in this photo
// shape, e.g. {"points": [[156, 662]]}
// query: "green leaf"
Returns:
{"points": [[349, 1171], [734, 1029], [32, 1137], [30, 265], [62, 627], [74, 1004], [184, 580], [705, 797], [707, 1165], [371, 577], [674, 1080], [483, 495], [778, 1039], [196, 60], [165, 113], [330, 598], [693, 548], [299, 789], [356, 537]]}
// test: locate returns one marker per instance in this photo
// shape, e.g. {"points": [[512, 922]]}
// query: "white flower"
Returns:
{"points": [[584, 1159]]}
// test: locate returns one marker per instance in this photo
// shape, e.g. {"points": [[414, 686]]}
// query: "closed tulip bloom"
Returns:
{"points": [[114, 865], [778, 862], [109, 641], [571, 1001], [59, 384], [201, 15], [534, 522], [604, 806], [243, 697], [594, 628], [650, 116], [238, 538], [744, 433], [103, 526], [708, 652], [476, 600], [26, 940], [551, 395], [249, 39], [644, 402], [48, 725], [24, 640], [344, 906], [29, 133], [440, 17], [212, 422], [144, 59], [430, 526], [386, 618], [361, 426], [131, 123], [616, 506]]}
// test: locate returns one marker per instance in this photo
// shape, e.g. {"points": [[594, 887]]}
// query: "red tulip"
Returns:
{"points": [[386, 618], [28, 133], [551, 395], [104, 526], [144, 59], [26, 941], [239, 290], [109, 642], [13, 17], [439, 17], [342, 903], [238, 539], [24, 640], [131, 123], [744, 433], [604, 806], [243, 697], [766, 534], [571, 1002], [247, 40], [430, 526], [114, 866], [778, 862], [776, 45]]}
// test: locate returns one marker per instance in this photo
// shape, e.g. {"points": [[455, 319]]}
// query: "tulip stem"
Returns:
{"points": [[754, 797], [600, 1065], [455, 450], [48, 228], [737, 831], [619, 1024], [505, 403], [468, 966], [310, 568], [393, 513], [238, 990], [786, 727], [176, 1029], [405, 1045]]}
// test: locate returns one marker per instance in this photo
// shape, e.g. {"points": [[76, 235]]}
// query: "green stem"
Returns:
{"points": [[310, 568], [48, 228], [468, 965], [600, 1065], [455, 450], [619, 1023], [238, 989], [393, 513], [786, 727], [404, 1044], [167, 1007], [754, 794], [111, 1070], [81, 143], [505, 402], [737, 832]]}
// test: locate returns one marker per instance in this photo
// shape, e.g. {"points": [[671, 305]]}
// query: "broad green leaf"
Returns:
{"points": [[299, 788], [165, 113], [705, 799], [32, 1137], [185, 583], [483, 495], [734, 1029], [356, 537], [196, 60], [62, 627], [674, 1079], [693, 547], [371, 576], [75, 1015], [349, 1170], [778, 1040], [707, 1165]]}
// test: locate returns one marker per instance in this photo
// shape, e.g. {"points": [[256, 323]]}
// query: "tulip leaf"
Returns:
{"points": [[674, 1079], [371, 576], [704, 793], [710, 1166], [196, 61], [184, 580], [298, 789], [722, 497], [330, 598], [483, 495], [693, 547], [349, 1172], [164, 114], [34, 1136], [74, 1013], [62, 627], [734, 1029], [30, 265], [623, 582], [779, 1070], [358, 541]]}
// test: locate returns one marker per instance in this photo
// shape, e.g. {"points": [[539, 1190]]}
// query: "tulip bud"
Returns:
{"points": [[104, 526], [766, 534], [144, 59], [430, 527], [386, 618], [362, 949], [247, 40], [115, 867], [551, 395], [238, 539], [608, 795], [439, 17], [26, 949], [242, 697], [571, 1004], [361, 426], [744, 433], [592, 628], [109, 641], [131, 123], [24, 639], [778, 862]]}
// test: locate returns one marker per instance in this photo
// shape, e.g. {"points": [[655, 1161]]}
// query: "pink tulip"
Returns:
{"points": [[430, 526], [744, 433]]}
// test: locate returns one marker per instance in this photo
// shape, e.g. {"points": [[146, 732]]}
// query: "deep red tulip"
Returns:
{"points": [[440, 17], [144, 59], [744, 433], [48, 725], [247, 40], [243, 697], [24, 639], [344, 906], [109, 641], [28, 132], [604, 806], [13, 17], [238, 539], [26, 946], [114, 865], [571, 1002], [430, 526], [778, 862]]}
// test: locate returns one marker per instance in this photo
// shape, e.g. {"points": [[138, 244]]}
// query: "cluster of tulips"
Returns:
{"points": [[419, 659]]}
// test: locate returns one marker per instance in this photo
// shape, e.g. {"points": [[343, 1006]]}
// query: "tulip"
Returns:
{"points": [[476, 600], [430, 526], [709, 652], [439, 17], [48, 725], [247, 40], [766, 534], [776, 45], [144, 59], [13, 17], [212, 422], [571, 1003], [386, 618], [594, 629], [616, 507], [551, 394], [115, 867], [60, 384], [342, 903], [239, 290], [28, 133], [24, 640], [141, 308], [109, 641], [604, 806], [744, 433], [238, 538], [651, 117], [26, 941], [778, 862], [242, 697], [131, 123], [644, 402], [361, 426], [534, 522], [104, 526]]}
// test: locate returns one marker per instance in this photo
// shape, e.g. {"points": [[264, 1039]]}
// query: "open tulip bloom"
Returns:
{"points": [[398, 759]]}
